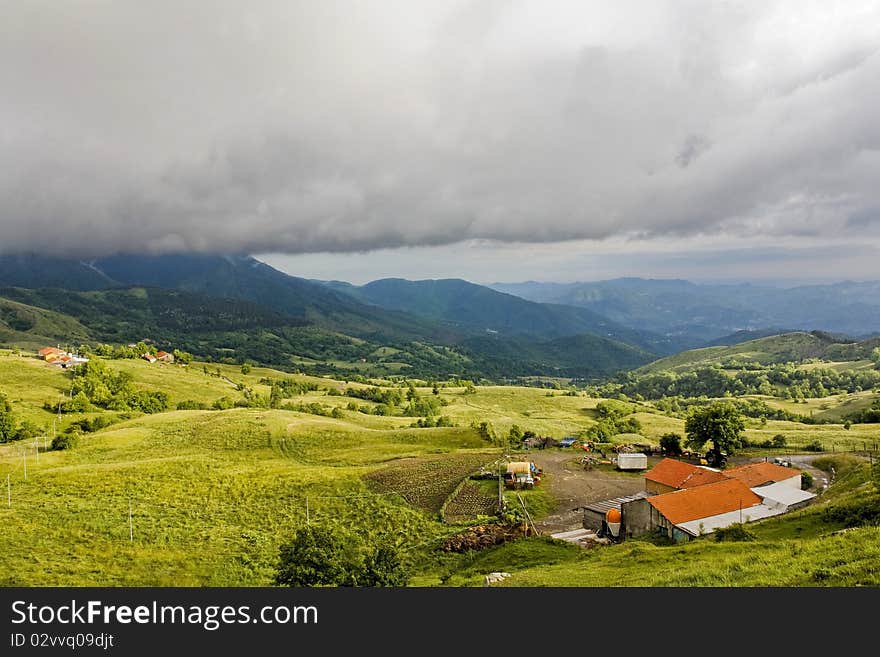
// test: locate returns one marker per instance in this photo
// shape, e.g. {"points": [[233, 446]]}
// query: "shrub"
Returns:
{"points": [[191, 405], [66, 440], [814, 446], [806, 480], [735, 532]]}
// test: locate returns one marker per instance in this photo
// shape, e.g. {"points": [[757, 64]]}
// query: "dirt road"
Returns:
{"points": [[572, 486]]}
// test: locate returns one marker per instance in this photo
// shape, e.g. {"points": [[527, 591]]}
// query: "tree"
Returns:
{"points": [[182, 357], [316, 556], [670, 443], [319, 556], [245, 368], [275, 396], [719, 423], [383, 567], [7, 420]]}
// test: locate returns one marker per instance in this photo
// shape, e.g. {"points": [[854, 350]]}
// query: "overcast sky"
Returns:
{"points": [[495, 140]]}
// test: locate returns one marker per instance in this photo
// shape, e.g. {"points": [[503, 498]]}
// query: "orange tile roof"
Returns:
{"points": [[159, 354], [49, 350], [679, 474], [755, 474], [704, 501]]}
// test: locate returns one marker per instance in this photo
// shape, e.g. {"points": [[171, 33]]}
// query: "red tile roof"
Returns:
{"points": [[159, 354], [679, 474], [756, 474], [50, 350], [704, 501]]}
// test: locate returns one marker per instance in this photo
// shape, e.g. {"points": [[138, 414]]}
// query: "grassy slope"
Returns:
{"points": [[775, 349], [796, 550], [213, 493]]}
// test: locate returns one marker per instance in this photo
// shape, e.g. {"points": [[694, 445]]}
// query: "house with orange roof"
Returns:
{"points": [[695, 501], [700, 510], [150, 358], [763, 474], [164, 357], [50, 353], [670, 475]]}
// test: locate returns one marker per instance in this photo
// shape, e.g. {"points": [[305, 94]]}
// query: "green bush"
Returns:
{"points": [[814, 446], [66, 440], [735, 532]]}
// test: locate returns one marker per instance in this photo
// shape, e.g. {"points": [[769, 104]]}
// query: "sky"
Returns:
{"points": [[492, 140]]}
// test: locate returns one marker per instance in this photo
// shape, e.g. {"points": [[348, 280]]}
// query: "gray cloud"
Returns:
{"points": [[297, 127]]}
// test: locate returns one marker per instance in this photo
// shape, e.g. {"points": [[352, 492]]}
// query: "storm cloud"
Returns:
{"points": [[344, 126]]}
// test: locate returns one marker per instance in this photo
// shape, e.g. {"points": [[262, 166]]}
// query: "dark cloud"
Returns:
{"points": [[297, 127]]}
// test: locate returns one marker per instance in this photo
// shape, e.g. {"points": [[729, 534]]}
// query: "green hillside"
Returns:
{"points": [[788, 347], [213, 493], [28, 326]]}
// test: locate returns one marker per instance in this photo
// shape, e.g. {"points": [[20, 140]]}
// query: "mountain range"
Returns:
{"points": [[700, 314], [228, 306]]}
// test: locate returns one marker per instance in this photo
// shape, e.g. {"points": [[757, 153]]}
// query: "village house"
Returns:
{"points": [[670, 475], [61, 358], [164, 357], [684, 501], [150, 358]]}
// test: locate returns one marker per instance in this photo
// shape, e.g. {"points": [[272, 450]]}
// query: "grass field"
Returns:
{"points": [[212, 494]]}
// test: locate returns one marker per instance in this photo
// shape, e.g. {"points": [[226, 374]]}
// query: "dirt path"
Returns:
{"points": [[572, 486]]}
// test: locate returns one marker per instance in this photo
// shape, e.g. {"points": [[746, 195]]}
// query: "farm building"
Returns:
{"points": [[150, 358], [690, 512], [51, 353], [594, 513], [164, 357], [670, 475], [684, 500], [761, 474], [702, 509]]}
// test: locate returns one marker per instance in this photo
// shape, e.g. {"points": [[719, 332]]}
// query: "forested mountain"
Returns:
{"points": [[470, 307]]}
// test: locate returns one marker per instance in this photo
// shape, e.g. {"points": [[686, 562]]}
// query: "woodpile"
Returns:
{"points": [[482, 536]]}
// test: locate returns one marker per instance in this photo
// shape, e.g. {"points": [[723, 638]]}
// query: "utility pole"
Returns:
{"points": [[130, 527], [8, 492], [24, 454]]}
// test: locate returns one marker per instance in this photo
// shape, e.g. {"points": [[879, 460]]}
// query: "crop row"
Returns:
{"points": [[426, 483]]}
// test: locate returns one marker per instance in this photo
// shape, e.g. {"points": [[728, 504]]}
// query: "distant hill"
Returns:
{"points": [[224, 276], [468, 307], [700, 314], [27, 325], [789, 347]]}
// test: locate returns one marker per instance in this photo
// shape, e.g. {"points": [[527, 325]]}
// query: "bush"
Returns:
{"points": [[191, 405], [806, 480], [318, 556], [66, 440], [735, 532], [814, 446], [670, 443]]}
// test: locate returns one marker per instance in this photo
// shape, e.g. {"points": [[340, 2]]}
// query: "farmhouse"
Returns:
{"points": [[150, 358], [50, 353], [60, 357], [761, 474], [684, 501], [164, 357], [670, 475]]}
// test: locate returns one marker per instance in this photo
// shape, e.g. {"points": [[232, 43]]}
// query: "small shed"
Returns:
{"points": [[595, 512], [632, 461]]}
